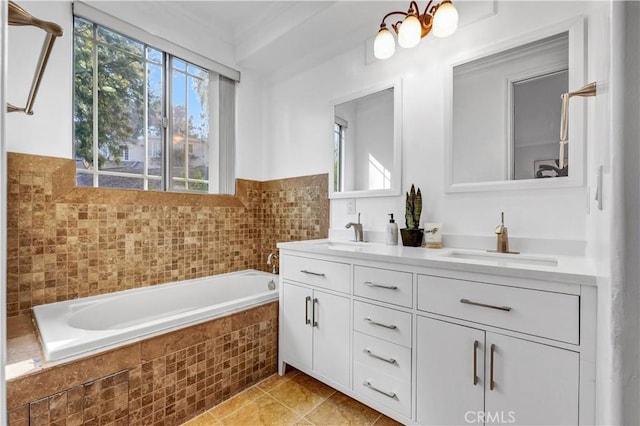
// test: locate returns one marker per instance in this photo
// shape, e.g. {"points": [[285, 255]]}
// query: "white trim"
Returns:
{"points": [[577, 123], [83, 10], [3, 213], [396, 179]]}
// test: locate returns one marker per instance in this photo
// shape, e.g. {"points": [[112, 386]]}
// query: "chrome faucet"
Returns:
{"points": [[503, 238], [271, 261], [357, 228]]}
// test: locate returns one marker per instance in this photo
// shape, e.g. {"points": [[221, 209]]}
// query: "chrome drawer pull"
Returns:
{"points": [[492, 383], [381, 358], [317, 274], [379, 324], [388, 287], [475, 362], [306, 310], [370, 386], [313, 313], [484, 305]]}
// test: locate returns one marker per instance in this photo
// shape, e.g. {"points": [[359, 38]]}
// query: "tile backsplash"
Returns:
{"points": [[66, 242]]}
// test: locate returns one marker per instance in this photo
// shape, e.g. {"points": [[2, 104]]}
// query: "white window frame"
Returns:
{"points": [[221, 153]]}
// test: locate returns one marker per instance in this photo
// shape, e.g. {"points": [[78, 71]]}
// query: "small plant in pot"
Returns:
{"points": [[412, 234]]}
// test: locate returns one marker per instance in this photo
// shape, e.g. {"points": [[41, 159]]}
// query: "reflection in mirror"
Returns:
{"points": [[364, 143], [506, 113]]}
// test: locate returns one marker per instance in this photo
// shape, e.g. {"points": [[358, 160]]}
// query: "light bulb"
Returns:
{"points": [[445, 21], [384, 45], [410, 32]]}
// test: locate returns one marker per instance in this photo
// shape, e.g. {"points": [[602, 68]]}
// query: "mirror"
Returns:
{"points": [[505, 110], [366, 144]]}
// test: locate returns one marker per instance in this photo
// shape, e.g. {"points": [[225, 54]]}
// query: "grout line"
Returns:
{"points": [[210, 411], [376, 420]]}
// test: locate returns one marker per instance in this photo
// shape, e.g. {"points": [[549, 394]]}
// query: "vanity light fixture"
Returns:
{"points": [[441, 18]]}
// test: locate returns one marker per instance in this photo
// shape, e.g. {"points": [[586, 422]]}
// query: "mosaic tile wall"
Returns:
{"points": [[167, 380], [66, 242]]}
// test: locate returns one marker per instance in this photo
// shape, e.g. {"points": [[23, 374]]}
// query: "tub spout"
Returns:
{"points": [[272, 260]]}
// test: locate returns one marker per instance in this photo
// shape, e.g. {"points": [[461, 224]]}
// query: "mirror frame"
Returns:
{"points": [[396, 180], [577, 111]]}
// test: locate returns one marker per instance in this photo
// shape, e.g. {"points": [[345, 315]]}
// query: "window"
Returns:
{"points": [[142, 116]]}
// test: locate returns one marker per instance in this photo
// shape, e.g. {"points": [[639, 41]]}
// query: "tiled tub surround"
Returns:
{"points": [[166, 379], [66, 242]]}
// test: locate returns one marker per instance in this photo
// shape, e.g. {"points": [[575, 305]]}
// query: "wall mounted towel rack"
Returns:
{"points": [[20, 17]]}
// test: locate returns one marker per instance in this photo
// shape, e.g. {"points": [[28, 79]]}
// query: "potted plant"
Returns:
{"points": [[412, 234]]}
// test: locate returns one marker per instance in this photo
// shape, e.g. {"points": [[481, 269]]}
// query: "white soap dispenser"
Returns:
{"points": [[392, 232]]}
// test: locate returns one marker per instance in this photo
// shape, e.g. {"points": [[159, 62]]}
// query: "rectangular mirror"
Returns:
{"points": [[366, 143], [504, 108]]}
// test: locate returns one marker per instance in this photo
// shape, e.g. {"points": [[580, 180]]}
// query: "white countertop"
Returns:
{"points": [[567, 269]]}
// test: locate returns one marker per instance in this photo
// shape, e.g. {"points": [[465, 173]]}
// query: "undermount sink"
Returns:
{"points": [[355, 246], [501, 258]]}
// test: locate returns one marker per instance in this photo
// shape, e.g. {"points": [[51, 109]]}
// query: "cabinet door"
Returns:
{"points": [[533, 383], [296, 332], [450, 373], [331, 333]]}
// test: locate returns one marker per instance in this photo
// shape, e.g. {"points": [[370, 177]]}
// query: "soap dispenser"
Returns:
{"points": [[392, 232]]}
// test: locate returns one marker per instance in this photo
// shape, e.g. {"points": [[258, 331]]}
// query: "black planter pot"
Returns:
{"points": [[412, 237]]}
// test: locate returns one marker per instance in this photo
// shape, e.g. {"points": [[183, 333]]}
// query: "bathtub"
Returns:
{"points": [[82, 326]]}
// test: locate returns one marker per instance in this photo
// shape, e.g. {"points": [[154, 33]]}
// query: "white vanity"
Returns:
{"points": [[442, 336]]}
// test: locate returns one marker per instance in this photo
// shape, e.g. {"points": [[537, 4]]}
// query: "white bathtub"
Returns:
{"points": [[92, 324]]}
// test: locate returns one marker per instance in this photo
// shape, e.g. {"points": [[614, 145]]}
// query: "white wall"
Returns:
{"points": [[296, 116], [49, 130]]}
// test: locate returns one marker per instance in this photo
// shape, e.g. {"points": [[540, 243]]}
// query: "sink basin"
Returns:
{"points": [[355, 246], [502, 258]]}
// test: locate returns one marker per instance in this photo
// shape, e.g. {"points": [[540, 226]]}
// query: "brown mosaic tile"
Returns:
{"points": [[66, 242], [181, 383], [101, 402]]}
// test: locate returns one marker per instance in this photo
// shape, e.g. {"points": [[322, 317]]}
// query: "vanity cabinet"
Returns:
{"points": [[495, 378], [314, 323], [430, 342]]}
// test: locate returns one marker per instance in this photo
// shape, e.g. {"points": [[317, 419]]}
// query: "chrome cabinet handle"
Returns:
{"points": [[381, 358], [379, 324], [492, 384], [306, 310], [317, 274], [484, 305], [370, 386], [388, 287], [475, 362], [313, 313]]}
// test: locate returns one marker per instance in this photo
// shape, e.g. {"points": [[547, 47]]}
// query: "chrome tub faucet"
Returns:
{"points": [[272, 261], [357, 228]]}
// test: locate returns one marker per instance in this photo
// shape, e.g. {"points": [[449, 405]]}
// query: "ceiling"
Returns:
{"points": [[274, 37], [267, 34]]}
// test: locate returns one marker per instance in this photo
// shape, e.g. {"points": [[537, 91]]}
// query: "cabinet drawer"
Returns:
{"points": [[382, 388], [383, 284], [388, 358], [320, 273], [540, 313], [384, 323]]}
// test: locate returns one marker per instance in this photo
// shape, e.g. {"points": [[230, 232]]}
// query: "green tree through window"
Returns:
{"points": [[119, 88]]}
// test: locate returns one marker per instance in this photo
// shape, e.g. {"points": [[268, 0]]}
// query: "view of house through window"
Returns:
{"points": [[141, 116]]}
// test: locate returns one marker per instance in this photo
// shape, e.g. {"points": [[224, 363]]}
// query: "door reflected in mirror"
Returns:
{"points": [[506, 113], [363, 147]]}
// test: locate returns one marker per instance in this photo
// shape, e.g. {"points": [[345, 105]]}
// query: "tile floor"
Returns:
{"points": [[295, 399]]}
